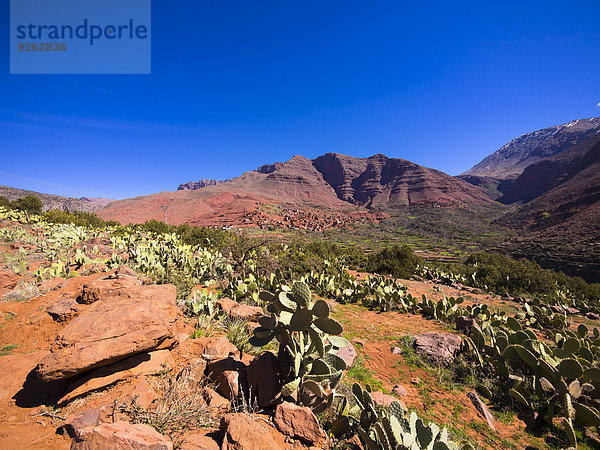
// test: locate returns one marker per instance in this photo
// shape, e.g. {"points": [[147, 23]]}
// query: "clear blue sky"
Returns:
{"points": [[236, 84]]}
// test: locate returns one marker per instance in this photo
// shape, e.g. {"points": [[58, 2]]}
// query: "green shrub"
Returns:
{"points": [[397, 261], [29, 203]]}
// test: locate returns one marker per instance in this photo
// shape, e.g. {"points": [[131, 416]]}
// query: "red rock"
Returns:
{"points": [[381, 399], [77, 421], [99, 289], [298, 422], [8, 280], [348, 354], [264, 379], [198, 441], [64, 309], [440, 347], [139, 392], [140, 364], [218, 347], [129, 322], [193, 372], [225, 373], [241, 432], [214, 400], [399, 390], [482, 409], [122, 435], [237, 310]]}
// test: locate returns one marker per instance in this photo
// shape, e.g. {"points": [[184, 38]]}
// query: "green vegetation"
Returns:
{"points": [[7, 349], [400, 262]]}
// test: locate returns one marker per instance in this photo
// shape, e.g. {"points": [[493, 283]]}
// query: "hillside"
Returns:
{"points": [[51, 201], [512, 159], [332, 183]]}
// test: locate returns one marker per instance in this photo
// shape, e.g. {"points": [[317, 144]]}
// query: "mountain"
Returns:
{"points": [[510, 160], [332, 182], [57, 202], [193, 185]]}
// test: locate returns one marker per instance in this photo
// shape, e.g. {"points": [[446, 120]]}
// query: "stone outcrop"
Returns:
{"points": [[64, 309], [140, 364], [440, 347], [122, 324]]}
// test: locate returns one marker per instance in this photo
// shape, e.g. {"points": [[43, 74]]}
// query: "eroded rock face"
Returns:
{"points": [[99, 289], [242, 432], [440, 347], [130, 321], [298, 422], [64, 309], [198, 441], [237, 310], [140, 364], [122, 435]]}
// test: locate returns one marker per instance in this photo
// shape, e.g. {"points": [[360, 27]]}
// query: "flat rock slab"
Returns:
{"points": [[122, 435], [440, 347], [140, 364], [99, 289], [130, 321]]}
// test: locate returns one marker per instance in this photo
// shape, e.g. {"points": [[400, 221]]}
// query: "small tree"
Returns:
{"points": [[4, 203], [397, 261], [29, 203]]}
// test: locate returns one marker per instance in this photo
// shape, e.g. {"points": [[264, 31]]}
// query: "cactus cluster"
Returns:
{"points": [[308, 342], [387, 428]]}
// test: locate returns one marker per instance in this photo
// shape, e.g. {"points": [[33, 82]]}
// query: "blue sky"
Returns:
{"points": [[237, 84]]}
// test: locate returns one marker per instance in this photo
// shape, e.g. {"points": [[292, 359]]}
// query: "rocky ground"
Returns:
{"points": [[108, 360]]}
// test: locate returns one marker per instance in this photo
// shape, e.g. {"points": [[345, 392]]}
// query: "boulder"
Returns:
{"points": [[122, 435], [399, 390], [99, 289], [396, 350], [77, 421], [140, 364], [198, 441], [237, 310], [134, 321], [241, 432], [381, 399], [592, 316], [225, 373], [214, 400], [219, 347], [348, 354], [440, 347], [298, 422], [482, 409], [64, 309], [139, 392], [193, 372], [264, 379]]}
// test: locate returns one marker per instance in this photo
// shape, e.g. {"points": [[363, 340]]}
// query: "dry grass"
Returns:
{"points": [[178, 408], [23, 292]]}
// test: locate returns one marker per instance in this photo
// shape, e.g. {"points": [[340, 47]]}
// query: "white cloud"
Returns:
{"points": [[598, 104]]}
